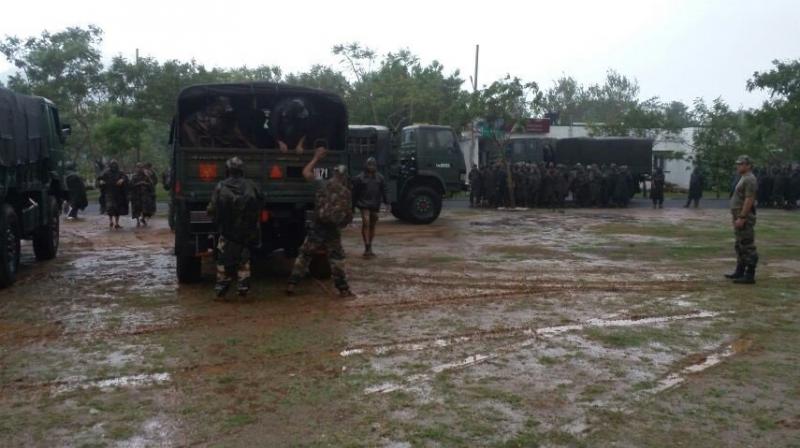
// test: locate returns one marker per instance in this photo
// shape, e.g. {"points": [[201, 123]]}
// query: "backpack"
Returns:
{"points": [[238, 211], [334, 203]]}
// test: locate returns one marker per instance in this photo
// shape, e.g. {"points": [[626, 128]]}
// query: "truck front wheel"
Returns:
{"points": [[189, 268], [9, 246], [422, 205], [45, 239]]}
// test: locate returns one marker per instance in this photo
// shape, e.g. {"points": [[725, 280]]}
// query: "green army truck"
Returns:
{"points": [[31, 179], [421, 164], [274, 129]]}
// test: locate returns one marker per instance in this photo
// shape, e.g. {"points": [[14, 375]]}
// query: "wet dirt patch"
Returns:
{"points": [[516, 328]]}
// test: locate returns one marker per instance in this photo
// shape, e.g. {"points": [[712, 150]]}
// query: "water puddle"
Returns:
{"points": [[545, 332], [130, 381], [439, 343]]}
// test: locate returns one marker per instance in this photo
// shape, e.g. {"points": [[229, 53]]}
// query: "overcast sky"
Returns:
{"points": [[676, 49]]}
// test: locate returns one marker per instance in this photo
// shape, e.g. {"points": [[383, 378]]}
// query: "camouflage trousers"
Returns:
{"points": [[233, 262], [321, 241], [745, 246]]}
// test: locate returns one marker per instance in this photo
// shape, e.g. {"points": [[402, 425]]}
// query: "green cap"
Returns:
{"points": [[743, 160]]}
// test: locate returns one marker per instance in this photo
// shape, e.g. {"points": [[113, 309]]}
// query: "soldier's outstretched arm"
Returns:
{"points": [[308, 170]]}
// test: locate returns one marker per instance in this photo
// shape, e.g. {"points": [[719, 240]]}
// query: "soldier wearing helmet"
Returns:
{"points": [[235, 207]]}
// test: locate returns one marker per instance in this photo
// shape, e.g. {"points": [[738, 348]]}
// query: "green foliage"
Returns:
{"points": [[777, 124], [718, 140], [614, 108]]}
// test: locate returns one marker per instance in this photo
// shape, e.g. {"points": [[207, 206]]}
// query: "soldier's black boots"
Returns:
{"points": [[738, 273], [749, 277], [221, 288]]}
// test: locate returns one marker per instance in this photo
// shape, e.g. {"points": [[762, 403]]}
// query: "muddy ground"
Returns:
{"points": [[487, 328]]}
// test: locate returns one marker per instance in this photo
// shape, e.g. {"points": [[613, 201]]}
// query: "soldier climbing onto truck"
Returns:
{"points": [[369, 192], [333, 211]]}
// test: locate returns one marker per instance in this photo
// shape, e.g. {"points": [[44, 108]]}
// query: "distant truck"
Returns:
{"points": [[421, 165], [31, 179], [636, 153], [264, 124]]}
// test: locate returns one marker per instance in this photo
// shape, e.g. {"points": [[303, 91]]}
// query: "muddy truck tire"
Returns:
{"points": [[46, 238], [397, 211], [9, 246], [422, 205], [188, 268]]}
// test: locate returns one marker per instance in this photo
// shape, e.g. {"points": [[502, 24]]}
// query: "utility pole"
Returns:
{"points": [[475, 79], [473, 143]]}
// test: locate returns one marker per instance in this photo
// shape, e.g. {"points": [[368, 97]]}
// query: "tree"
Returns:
{"points": [[777, 123], [505, 104], [65, 67], [121, 137], [322, 77], [717, 141]]}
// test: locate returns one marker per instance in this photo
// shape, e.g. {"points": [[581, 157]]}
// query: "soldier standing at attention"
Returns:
{"points": [[235, 206], [369, 192], [743, 212], [333, 211], [696, 183]]}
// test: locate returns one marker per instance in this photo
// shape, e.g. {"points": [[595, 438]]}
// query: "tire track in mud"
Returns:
{"points": [[501, 293], [532, 334], [536, 335]]}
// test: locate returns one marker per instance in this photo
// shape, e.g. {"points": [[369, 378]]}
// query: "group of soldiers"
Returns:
{"points": [[778, 186], [121, 194], [549, 185], [236, 204]]}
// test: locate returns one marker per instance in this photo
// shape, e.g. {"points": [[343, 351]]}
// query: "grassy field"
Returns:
{"points": [[509, 329]]}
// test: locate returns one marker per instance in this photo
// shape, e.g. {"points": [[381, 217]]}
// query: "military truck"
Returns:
{"points": [[636, 153], [31, 179], [421, 164], [273, 128]]}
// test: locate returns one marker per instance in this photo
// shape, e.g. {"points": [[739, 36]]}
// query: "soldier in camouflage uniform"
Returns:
{"points": [[743, 214], [235, 207], [324, 236]]}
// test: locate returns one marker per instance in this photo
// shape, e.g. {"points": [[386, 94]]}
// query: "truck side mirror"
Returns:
{"points": [[65, 131]]}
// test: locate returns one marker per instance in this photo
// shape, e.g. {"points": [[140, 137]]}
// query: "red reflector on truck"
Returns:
{"points": [[207, 172], [264, 215], [275, 172]]}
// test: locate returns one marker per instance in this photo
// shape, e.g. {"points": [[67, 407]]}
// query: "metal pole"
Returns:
{"points": [[475, 79], [472, 143]]}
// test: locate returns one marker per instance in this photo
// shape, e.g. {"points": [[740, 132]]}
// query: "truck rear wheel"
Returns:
{"points": [[45, 238], [422, 205], [9, 246], [397, 211], [189, 269]]}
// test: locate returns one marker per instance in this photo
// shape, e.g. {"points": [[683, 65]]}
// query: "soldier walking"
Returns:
{"points": [[333, 211], [696, 182], [235, 207], [743, 213], [369, 192], [113, 184], [657, 188], [77, 191]]}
